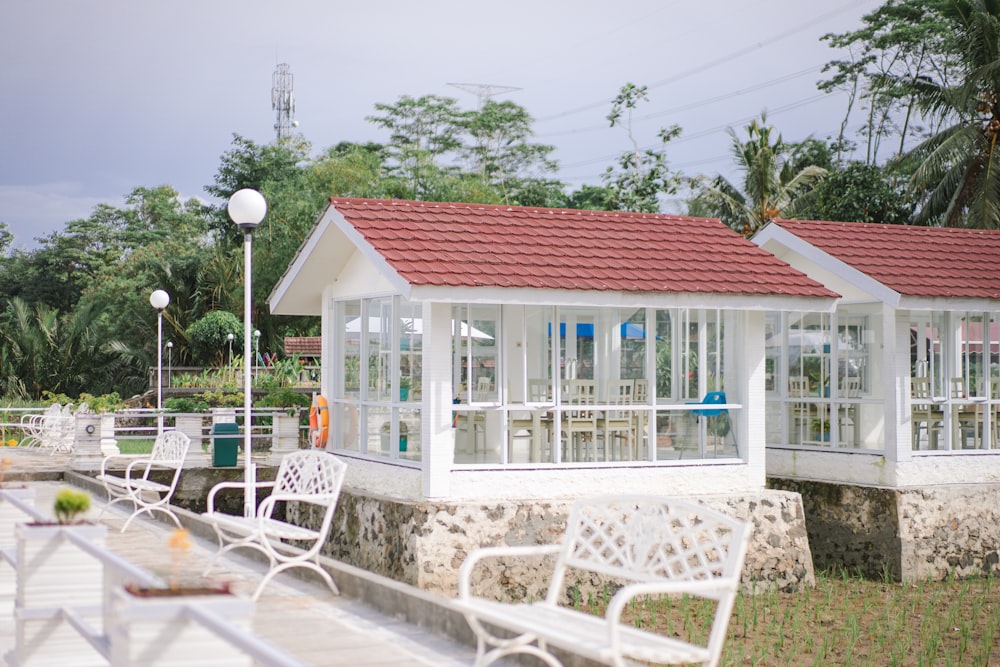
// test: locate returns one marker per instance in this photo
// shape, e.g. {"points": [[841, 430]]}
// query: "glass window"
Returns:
{"points": [[410, 337]]}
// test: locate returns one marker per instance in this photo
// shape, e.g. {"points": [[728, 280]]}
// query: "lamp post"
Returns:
{"points": [[247, 208], [159, 300], [170, 355], [230, 338], [256, 350]]}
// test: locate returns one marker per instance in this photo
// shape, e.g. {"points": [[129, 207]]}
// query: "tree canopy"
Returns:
{"points": [[923, 74]]}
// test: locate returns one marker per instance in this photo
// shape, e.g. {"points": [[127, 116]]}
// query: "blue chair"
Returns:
{"points": [[714, 427]]}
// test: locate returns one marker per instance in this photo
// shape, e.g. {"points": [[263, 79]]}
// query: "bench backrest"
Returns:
{"points": [[169, 449], [651, 538], [310, 473]]}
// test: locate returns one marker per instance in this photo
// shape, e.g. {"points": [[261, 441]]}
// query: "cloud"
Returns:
{"points": [[32, 211]]}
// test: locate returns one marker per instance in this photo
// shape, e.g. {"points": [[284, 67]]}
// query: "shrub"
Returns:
{"points": [[209, 337], [69, 504]]}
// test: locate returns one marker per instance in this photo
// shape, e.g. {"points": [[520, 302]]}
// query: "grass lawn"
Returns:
{"points": [[846, 620]]}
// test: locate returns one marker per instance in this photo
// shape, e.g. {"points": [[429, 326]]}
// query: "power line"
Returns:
{"points": [[703, 133], [693, 105], [718, 61]]}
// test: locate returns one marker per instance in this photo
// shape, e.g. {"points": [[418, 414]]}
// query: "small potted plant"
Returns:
{"points": [[821, 429], [69, 505]]}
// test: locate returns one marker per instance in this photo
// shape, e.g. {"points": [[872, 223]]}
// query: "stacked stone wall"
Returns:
{"points": [[425, 543], [902, 534]]}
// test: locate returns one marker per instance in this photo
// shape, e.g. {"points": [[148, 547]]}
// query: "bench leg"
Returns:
{"points": [[525, 643]]}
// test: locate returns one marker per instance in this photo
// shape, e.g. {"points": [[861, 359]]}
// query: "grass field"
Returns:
{"points": [[846, 620]]}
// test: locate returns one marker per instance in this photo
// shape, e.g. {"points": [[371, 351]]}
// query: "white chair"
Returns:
{"points": [[535, 424], [850, 390], [305, 477], [472, 423], [617, 425], [136, 486], [925, 414], [801, 413], [579, 425]]}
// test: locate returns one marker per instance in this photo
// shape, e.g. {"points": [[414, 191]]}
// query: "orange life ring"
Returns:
{"points": [[319, 422]]}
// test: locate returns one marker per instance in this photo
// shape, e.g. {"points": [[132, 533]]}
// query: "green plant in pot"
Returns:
{"points": [[70, 504]]}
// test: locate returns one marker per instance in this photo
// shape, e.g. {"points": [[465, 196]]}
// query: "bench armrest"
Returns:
{"points": [[713, 589], [465, 573], [123, 457], [231, 485]]}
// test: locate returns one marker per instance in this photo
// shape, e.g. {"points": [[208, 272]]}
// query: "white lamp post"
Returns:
{"points": [[170, 357], [230, 338], [247, 208], [159, 300], [256, 350]]}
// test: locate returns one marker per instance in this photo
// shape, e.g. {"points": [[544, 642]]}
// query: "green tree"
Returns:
{"points": [[209, 337], [902, 48], [642, 175], [501, 154], [956, 172], [858, 193], [43, 350], [424, 139], [771, 187]]}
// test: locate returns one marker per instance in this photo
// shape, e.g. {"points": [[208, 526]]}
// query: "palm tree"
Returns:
{"points": [[956, 172], [69, 354], [771, 182]]}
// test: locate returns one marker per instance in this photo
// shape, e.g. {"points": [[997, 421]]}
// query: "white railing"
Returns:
{"points": [[67, 549]]}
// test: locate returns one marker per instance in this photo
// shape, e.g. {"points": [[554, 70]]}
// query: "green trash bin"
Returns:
{"points": [[225, 450]]}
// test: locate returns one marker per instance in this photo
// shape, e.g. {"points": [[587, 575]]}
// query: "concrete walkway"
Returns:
{"points": [[375, 621]]}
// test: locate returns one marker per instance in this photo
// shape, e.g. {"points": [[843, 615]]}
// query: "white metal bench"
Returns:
{"points": [[307, 476], [147, 495], [652, 546], [51, 429]]}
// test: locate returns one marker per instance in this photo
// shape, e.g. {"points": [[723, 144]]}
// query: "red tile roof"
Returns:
{"points": [[475, 245], [913, 261], [304, 345]]}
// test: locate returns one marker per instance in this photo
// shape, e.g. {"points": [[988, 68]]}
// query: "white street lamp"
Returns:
{"points": [[247, 208], [170, 350], [230, 338], [256, 350], [159, 300]]}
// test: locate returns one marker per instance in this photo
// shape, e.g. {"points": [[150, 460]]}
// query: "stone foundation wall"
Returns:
{"points": [[902, 534], [425, 543]]}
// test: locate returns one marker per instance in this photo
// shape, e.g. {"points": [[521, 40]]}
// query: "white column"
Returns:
{"points": [[750, 426], [437, 435]]}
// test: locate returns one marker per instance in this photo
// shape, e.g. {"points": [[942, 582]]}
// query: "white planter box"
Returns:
{"points": [[10, 516], [54, 573], [154, 632]]}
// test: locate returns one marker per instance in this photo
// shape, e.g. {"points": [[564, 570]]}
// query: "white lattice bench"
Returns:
{"points": [[649, 545], [307, 477]]}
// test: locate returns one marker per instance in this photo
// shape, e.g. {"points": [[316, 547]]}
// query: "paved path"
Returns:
{"points": [[300, 617]]}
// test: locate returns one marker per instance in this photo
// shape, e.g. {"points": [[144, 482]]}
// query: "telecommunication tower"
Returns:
{"points": [[483, 91], [283, 100]]}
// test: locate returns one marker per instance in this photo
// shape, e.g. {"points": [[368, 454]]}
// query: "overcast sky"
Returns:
{"points": [[103, 96]]}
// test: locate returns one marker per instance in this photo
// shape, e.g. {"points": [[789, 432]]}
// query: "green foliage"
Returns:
{"points": [[858, 193], [186, 404], [774, 184], [283, 398], [104, 403], [642, 176], [69, 504], [209, 337], [219, 399]]}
